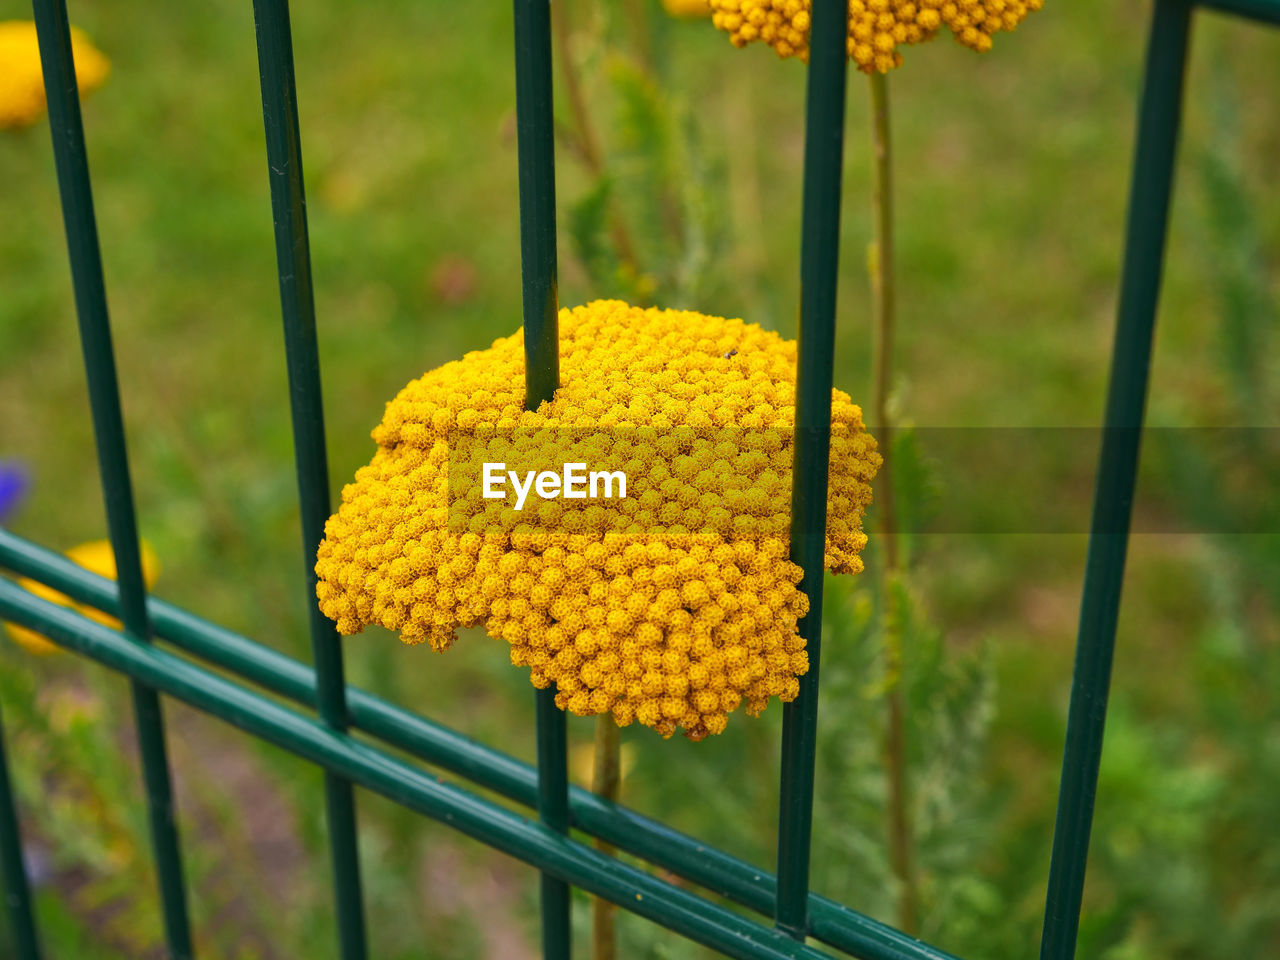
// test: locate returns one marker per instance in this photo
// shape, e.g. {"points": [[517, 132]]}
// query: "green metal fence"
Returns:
{"points": [[330, 709]]}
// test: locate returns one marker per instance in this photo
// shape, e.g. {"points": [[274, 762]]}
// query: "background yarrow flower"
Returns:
{"points": [[877, 28], [96, 556], [22, 99], [672, 606]]}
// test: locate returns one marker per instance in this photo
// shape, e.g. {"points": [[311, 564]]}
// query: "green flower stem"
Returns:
{"points": [[880, 266], [606, 780]]}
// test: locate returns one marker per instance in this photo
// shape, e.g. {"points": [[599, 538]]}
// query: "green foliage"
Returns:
{"points": [[949, 696], [1187, 818], [1247, 312], [589, 228], [647, 226], [1182, 851], [918, 487]]}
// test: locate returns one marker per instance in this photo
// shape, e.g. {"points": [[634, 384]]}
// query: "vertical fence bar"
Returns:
{"points": [[537, 174], [819, 264], [536, 150], [1153, 167], [17, 892], [53, 30], [297, 303], [553, 810]]}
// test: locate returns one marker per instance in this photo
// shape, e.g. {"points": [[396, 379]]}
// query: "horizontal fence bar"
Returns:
{"points": [[831, 922], [1267, 11], [532, 842], [72, 162]]}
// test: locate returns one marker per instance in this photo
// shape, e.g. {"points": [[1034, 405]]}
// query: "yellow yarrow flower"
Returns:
{"points": [[97, 557], [671, 606], [22, 99], [877, 28]]}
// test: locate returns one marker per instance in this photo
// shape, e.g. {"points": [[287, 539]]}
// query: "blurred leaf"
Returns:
{"points": [[589, 232], [1248, 311]]}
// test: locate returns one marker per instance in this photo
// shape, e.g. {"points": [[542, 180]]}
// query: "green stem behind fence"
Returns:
{"points": [[880, 266]]}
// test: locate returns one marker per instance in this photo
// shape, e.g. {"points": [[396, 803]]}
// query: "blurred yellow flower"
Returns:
{"points": [[96, 556], [21, 83], [687, 8]]}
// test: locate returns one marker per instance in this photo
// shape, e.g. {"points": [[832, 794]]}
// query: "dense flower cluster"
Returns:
{"points": [[670, 606], [98, 557], [21, 82], [877, 28]]}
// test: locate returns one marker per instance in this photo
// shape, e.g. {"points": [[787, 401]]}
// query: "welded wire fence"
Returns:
{"points": [[327, 709]]}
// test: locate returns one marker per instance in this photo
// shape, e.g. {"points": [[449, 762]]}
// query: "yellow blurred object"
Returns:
{"points": [[687, 8], [96, 556], [22, 98]]}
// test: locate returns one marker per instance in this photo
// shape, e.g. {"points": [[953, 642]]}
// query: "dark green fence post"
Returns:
{"points": [[72, 161], [17, 892], [297, 303], [819, 266], [536, 156], [1153, 165]]}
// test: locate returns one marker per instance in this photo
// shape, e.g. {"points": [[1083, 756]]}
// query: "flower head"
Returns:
{"points": [[21, 81], [877, 28], [98, 557], [671, 605]]}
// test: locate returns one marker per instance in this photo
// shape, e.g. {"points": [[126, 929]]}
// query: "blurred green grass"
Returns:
{"points": [[1012, 175]]}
